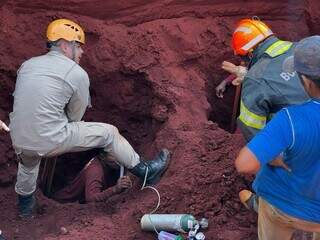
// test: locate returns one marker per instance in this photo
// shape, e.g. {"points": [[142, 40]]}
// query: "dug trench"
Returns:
{"points": [[153, 67]]}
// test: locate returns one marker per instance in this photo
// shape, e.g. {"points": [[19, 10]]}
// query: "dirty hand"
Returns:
{"points": [[239, 71], [237, 81], [229, 67], [278, 162], [4, 127], [123, 183], [220, 89]]}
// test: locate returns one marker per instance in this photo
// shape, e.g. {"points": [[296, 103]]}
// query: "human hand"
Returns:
{"points": [[4, 127], [123, 183], [278, 162], [239, 71], [229, 67], [220, 89], [237, 81]]}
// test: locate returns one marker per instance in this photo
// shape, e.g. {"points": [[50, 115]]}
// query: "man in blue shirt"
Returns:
{"points": [[289, 200]]}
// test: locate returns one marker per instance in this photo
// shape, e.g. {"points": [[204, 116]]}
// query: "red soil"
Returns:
{"points": [[153, 66]]}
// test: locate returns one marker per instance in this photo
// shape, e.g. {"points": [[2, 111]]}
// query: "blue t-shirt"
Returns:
{"points": [[295, 132]]}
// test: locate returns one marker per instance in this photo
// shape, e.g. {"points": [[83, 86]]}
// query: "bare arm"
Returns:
{"points": [[267, 146], [246, 162], [4, 127]]}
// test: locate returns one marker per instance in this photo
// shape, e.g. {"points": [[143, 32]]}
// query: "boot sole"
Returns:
{"points": [[244, 196], [157, 178]]}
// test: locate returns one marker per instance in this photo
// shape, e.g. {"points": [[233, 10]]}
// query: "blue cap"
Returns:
{"points": [[306, 58]]}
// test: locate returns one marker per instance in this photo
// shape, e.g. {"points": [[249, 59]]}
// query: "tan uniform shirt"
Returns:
{"points": [[51, 90]]}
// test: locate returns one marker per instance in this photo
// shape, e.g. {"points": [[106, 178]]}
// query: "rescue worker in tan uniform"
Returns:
{"points": [[50, 98]]}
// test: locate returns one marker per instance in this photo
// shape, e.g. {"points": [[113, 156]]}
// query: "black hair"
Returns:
{"points": [[51, 44]]}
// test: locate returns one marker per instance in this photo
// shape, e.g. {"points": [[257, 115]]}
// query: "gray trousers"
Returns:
{"points": [[81, 136]]}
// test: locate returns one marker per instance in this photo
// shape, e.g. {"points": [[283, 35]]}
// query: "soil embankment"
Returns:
{"points": [[153, 67]]}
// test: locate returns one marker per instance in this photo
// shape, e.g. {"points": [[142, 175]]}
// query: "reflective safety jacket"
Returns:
{"points": [[266, 87]]}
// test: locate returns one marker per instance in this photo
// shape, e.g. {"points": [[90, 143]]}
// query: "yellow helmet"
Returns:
{"points": [[65, 29]]}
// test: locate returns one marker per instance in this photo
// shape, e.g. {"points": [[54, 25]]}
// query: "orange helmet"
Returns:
{"points": [[65, 29], [248, 34]]}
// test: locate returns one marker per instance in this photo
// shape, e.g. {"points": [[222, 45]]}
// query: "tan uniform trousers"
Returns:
{"points": [[275, 225], [81, 136]]}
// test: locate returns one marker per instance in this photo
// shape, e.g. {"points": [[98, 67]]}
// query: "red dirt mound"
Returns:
{"points": [[153, 67]]}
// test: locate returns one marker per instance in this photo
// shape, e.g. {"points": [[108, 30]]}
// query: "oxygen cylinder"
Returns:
{"points": [[168, 222]]}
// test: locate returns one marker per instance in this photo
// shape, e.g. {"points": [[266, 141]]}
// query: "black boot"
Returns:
{"points": [[26, 205], [156, 167]]}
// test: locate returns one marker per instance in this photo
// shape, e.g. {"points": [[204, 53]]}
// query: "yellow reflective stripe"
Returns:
{"points": [[278, 48], [251, 119], [273, 46]]}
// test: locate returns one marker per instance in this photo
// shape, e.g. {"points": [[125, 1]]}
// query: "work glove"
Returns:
{"points": [[221, 88], [239, 71], [123, 183], [4, 127]]}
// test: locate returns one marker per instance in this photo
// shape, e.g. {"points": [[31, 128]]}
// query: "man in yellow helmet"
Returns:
{"points": [[50, 99]]}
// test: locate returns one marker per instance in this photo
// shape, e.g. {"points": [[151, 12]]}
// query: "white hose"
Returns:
{"points": [[159, 198], [121, 171]]}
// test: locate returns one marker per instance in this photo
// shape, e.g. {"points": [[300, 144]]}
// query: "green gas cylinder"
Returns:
{"points": [[168, 222]]}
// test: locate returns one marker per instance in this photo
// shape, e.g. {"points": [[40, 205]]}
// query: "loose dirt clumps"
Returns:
{"points": [[153, 67]]}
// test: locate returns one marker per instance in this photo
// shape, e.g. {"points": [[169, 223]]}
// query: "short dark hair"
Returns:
{"points": [[50, 44]]}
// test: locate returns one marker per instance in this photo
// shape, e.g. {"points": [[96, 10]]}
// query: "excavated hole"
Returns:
{"points": [[124, 100], [221, 112], [221, 108]]}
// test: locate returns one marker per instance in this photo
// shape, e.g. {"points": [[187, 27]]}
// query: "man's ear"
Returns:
{"points": [[63, 46], [308, 84]]}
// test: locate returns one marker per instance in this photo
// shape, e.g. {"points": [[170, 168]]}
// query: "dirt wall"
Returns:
{"points": [[153, 67]]}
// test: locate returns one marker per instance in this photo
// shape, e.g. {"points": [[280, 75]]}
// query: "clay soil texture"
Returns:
{"points": [[153, 67]]}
